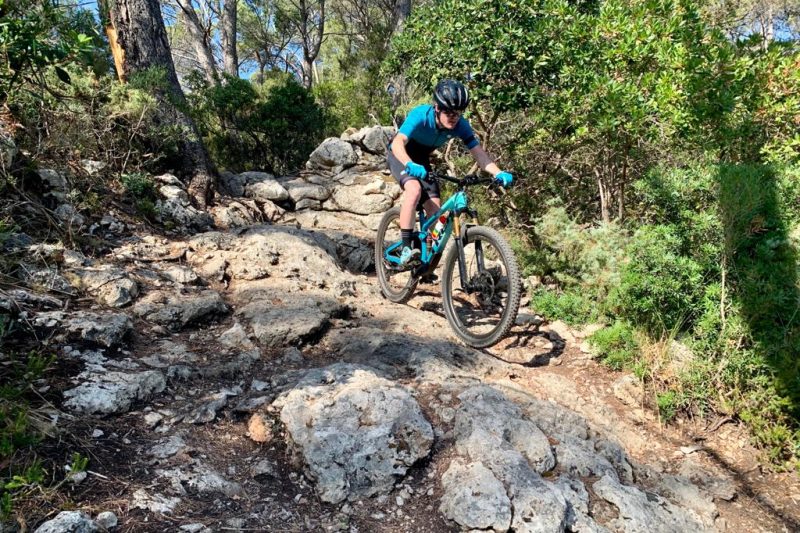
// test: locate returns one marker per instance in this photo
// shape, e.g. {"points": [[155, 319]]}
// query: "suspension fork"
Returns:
{"points": [[462, 260]]}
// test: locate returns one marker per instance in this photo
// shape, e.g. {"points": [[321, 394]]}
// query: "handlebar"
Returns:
{"points": [[466, 181]]}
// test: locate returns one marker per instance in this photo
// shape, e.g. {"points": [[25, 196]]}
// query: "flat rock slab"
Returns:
{"points": [[69, 522], [106, 330], [355, 431], [113, 392], [280, 321], [176, 310], [107, 284], [641, 512]]}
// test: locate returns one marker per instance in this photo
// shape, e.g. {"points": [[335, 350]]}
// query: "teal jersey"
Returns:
{"points": [[420, 127]]}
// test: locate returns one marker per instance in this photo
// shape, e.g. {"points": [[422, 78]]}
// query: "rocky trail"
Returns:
{"points": [[252, 378]]}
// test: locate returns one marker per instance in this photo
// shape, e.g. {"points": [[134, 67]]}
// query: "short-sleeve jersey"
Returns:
{"points": [[424, 136]]}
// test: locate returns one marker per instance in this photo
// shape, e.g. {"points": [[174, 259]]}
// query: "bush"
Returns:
{"points": [[575, 256], [570, 306], [660, 288], [616, 345], [246, 126]]}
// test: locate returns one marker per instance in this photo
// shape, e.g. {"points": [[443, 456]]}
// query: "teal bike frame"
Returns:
{"points": [[457, 204]]}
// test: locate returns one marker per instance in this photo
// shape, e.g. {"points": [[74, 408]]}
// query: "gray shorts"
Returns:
{"points": [[430, 189]]}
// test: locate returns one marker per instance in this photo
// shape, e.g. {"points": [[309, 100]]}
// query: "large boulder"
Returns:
{"points": [[363, 194], [261, 186], [373, 139], [333, 152], [355, 431]]}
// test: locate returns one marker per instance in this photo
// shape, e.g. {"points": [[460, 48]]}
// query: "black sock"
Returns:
{"points": [[407, 235]]}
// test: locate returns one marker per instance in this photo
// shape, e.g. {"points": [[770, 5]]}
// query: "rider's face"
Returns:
{"points": [[448, 119]]}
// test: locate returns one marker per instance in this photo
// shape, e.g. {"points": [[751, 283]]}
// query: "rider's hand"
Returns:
{"points": [[504, 178], [415, 170]]}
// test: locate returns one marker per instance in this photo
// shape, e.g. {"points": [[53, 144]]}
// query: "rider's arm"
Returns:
{"points": [[483, 160], [399, 148]]}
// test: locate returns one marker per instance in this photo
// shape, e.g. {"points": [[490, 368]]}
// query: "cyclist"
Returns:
{"points": [[426, 128]]}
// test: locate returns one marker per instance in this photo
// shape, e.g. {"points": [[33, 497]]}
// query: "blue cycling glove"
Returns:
{"points": [[504, 178], [415, 170]]}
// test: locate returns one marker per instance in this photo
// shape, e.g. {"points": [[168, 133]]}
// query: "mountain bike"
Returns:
{"points": [[480, 278]]}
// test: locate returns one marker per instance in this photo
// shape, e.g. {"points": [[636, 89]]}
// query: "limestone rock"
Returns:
{"points": [[492, 430], [55, 184], [70, 216], [368, 194], [236, 214], [291, 321], [263, 187], [107, 284], [176, 207], [333, 152], [474, 498], [107, 519], [644, 512], [45, 278], [113, 392], [176, 310], [69, 522], [156, 503], [107, 330], [355, 431]]}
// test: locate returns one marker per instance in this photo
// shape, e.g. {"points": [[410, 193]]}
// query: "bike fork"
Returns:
{"points": [[462, 260]]}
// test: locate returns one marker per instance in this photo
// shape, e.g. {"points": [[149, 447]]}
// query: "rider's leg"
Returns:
{"points": [[411, 194], [412, 190], [432, 205]]}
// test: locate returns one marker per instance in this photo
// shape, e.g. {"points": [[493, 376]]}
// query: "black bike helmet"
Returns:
{"points": [[451, 95]]}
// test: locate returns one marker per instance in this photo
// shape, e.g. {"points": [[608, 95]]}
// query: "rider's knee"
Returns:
{"points": [[412, 190]]}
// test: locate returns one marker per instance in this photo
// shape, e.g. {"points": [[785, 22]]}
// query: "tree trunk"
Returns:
{"points": [[230, 58], [402, 9], [200, 40], [141, 34], [605, 212]]}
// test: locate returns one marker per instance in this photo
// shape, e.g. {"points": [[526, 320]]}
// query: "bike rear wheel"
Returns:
{"points": [[396, 285], [483, 307]]}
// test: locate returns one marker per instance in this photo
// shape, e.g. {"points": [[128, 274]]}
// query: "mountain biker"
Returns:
{"points": [[426, 128]]}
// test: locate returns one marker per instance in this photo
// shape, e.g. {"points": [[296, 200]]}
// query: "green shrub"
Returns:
{"points": [[668, 405], [617, 346], [246, 126], [583, 262], [660, 288], [570, 306], [17, 374], [143, 193]]}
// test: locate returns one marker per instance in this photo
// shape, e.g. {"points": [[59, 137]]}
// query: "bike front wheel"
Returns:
{"points": [[482, 307], [396, 285]]}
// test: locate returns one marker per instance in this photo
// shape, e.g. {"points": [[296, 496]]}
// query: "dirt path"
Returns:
{"points": [[209, 453]]}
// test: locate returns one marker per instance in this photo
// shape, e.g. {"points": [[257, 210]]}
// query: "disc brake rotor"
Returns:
{"points": [[482, 285]]}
